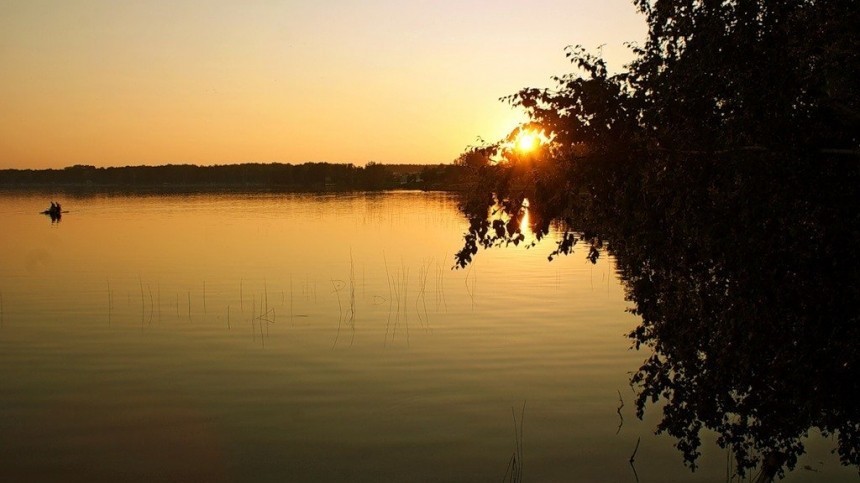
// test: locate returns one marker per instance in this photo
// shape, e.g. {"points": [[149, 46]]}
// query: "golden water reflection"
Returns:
{"points": [[306, 337]]}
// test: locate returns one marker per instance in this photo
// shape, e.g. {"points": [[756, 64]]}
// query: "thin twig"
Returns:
{"points": [[633, 456], [633, 459]]}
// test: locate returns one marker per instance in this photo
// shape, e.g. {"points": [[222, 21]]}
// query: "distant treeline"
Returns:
{"points": [[254, 176]]}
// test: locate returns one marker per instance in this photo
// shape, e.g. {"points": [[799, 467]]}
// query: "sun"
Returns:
{"points": [[526, 141]]}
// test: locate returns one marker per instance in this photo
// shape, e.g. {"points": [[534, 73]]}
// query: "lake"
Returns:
{"points": [[272, 337]]}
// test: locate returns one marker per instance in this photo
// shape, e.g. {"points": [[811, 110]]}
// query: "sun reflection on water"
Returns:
{"points": [[525, 221]]}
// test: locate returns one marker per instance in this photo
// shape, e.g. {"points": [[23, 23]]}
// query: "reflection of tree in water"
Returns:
{"points": [[744, 272]]}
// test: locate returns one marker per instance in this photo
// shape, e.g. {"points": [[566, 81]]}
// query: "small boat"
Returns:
{"points": [[55, 211]]}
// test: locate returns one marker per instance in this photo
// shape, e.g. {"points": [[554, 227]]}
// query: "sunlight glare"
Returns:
{"points": [[525, 221], [527, 141]]}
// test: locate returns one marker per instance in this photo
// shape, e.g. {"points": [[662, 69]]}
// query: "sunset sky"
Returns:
{"points": [[115, 83]]}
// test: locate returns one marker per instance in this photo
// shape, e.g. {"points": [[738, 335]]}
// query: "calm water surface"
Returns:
{"points": [[312, 338]]}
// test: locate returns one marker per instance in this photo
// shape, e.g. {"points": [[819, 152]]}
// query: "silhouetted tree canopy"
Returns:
{"points": [[721, 170]]}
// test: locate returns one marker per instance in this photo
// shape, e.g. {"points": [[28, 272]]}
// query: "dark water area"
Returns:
{"points": [[745, 274], [750, 297]]}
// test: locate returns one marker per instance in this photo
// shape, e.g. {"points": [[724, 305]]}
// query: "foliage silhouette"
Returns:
{"points": [[721, 170]]}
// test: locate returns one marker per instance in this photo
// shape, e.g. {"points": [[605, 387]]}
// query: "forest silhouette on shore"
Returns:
{"points": [[247, 176]]}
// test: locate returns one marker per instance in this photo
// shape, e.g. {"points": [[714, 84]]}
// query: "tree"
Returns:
{"points": [[721, 169], [778, 75]]}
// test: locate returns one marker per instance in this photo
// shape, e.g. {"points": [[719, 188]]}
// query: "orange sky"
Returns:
{"points": [[114, 83]]}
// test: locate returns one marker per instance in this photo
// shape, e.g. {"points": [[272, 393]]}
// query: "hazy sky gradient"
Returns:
{"points": [[118, 83]]}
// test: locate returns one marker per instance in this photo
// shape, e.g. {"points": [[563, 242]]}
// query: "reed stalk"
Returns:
{"points": [[142, 307], [405, 299], [110, 302], [151, 311], [340, 312], [351, 295], [514, 471], [262, 339], [291, 299], [253, 327]]}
